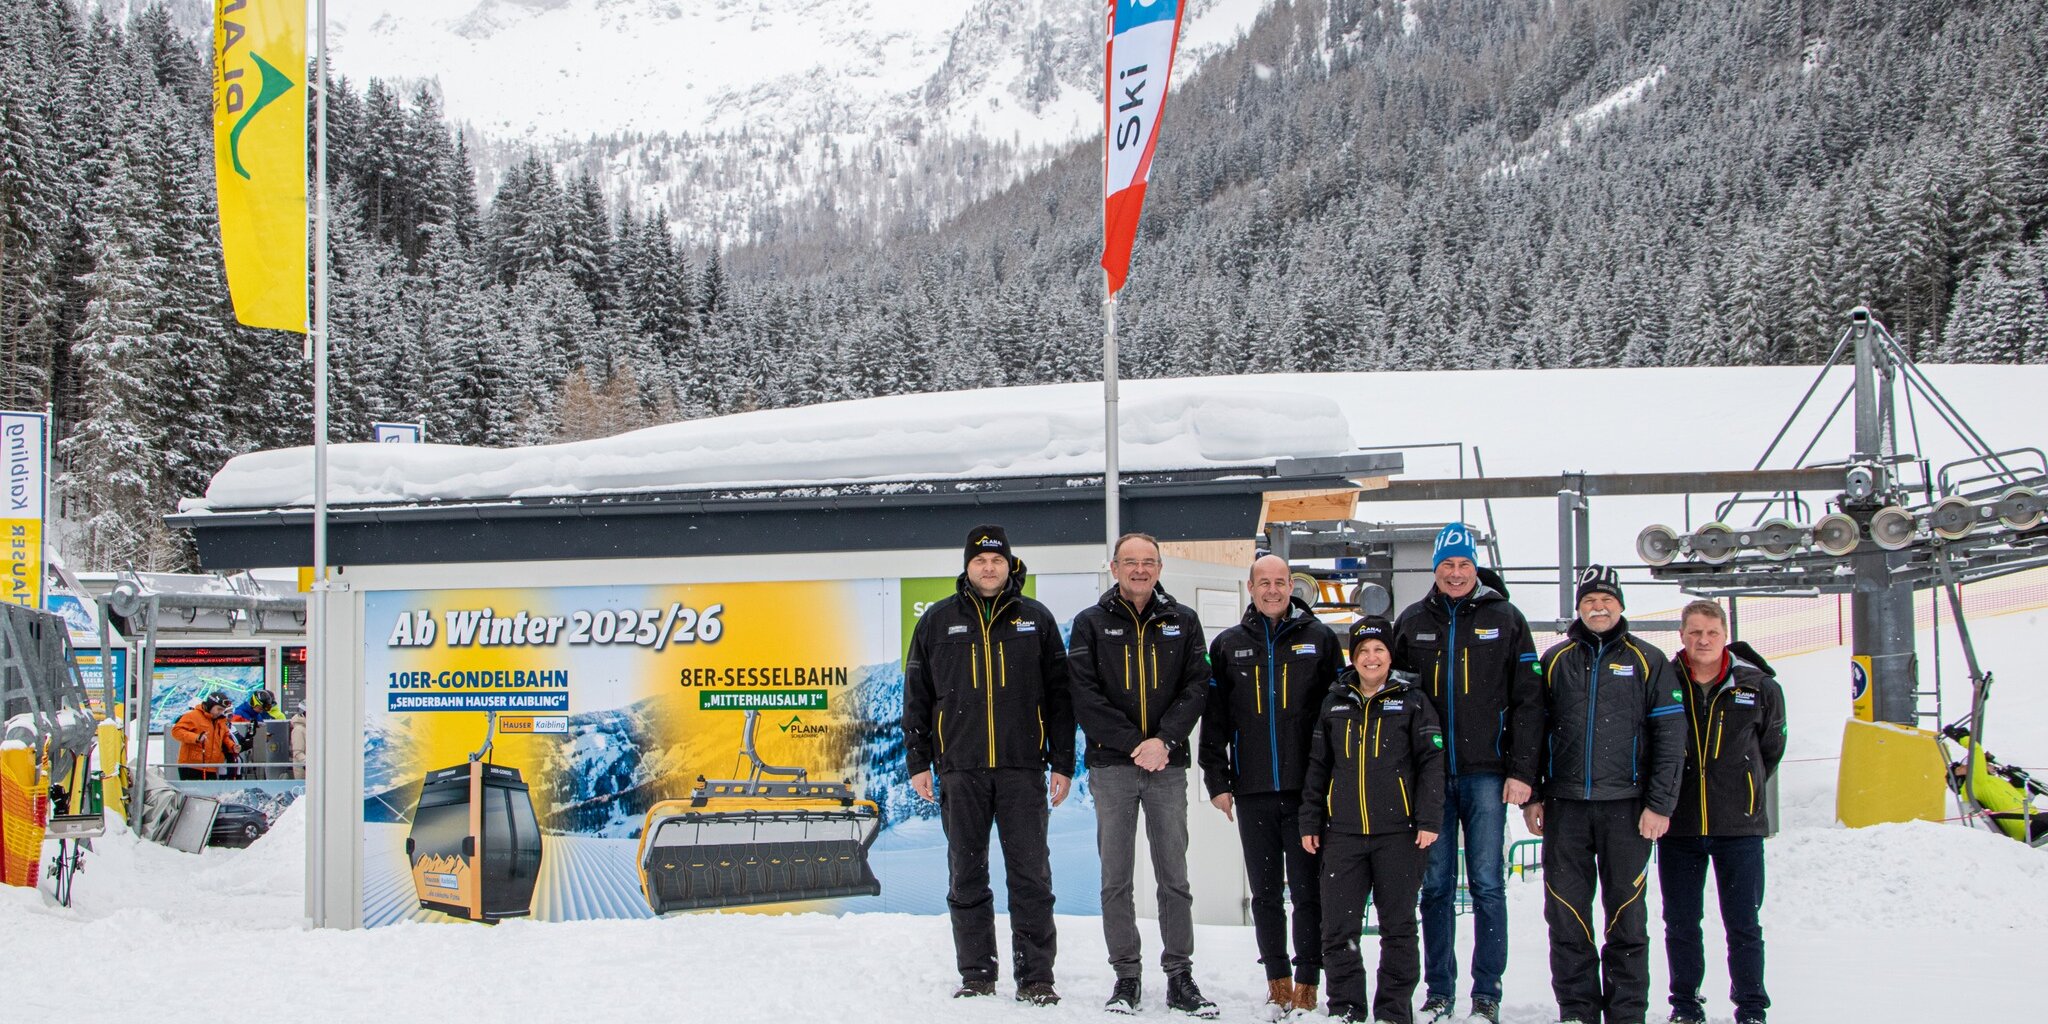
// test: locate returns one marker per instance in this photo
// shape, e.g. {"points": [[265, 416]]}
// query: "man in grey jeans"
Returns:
{"points": [[1139, 674]]}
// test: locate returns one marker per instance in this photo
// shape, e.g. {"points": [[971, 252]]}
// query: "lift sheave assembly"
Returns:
{"points": [[475, 844], [742, 842]]}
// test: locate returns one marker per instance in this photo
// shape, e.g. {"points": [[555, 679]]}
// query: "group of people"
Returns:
{"points": [[213, 733], [1351, 776]]}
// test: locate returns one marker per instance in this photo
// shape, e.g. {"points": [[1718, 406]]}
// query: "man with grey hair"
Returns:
{"points": [[1140, 679]]}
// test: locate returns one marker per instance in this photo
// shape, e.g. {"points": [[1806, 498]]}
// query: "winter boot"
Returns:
{"points": [[1183, 997], [1038, 993], [1687, 1015], [1124, 998], [1436, 1010], [1484, 1009], [970, 989], [1304, 999], [1279, 999]]}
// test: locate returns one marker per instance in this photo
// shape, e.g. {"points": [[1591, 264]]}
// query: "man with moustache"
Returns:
{"points": [[1609, 785]]}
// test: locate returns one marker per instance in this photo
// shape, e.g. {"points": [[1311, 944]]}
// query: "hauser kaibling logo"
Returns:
{"points": [[271, 85]]}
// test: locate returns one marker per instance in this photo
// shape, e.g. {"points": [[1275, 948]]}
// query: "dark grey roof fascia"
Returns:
{"points": [[1204, 505]]}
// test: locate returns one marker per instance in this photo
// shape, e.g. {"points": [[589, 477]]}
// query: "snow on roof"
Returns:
{"points": [[1045, 430]]}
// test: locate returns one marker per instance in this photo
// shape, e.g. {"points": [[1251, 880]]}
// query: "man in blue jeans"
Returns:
{"points": [[1735, 737], [1474, 656]]}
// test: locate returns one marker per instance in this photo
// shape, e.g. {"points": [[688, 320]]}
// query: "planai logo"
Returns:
{"points": [[797, 727], [271, 86]]}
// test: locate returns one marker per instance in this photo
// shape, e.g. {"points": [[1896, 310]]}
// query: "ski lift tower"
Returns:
{"points": [[1897, 527]]}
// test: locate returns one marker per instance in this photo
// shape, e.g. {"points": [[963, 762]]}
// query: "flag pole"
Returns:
{"points": [[1110, 434], [324, 706], [1109, 419]]}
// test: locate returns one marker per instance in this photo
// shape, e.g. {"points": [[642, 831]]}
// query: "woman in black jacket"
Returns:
{"points": [[1372, 802]]}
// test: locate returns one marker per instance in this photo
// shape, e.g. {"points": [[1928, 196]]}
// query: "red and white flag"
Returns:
{"points": [[1142, 37]]}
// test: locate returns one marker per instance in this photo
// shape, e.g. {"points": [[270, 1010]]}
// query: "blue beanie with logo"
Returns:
{"points": [[1454, 541]]}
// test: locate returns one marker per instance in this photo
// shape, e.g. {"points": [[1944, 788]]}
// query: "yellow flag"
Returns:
{"points": [[259, 157]]}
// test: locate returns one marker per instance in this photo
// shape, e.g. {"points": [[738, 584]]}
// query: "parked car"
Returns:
{"points": [[237, 825]]}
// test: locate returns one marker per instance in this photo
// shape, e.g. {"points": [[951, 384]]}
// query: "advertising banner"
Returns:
{"points": [[21, 519], [259, 157], [572, 753]]}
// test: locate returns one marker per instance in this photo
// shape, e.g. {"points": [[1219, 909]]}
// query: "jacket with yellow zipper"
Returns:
{"points": [[1735, 737], [1137, 675], [985, 685], [1375, 764]]}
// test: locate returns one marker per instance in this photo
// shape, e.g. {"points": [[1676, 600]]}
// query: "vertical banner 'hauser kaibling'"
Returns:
{"points": [[21, 513], [259, 157]]}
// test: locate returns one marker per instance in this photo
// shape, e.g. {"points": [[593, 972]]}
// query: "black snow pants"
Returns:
{"points": [[1588, 843], [1274, 863], [1389, 867], [1014, 801]]}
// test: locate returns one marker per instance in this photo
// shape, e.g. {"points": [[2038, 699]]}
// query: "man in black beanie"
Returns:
{"points": [[985, 703], [1615, 723]]}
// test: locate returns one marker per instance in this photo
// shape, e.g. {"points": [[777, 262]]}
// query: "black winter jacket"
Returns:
{"points": [[1476, 660], [1375, 764], [1616, 720], [1735, 728], [985, 685], [1137, 675], [1267, 683]]}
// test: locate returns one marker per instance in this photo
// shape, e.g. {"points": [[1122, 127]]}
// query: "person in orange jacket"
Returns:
{"points": [[204, 739]]}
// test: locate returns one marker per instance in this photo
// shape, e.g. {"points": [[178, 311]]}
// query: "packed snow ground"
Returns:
{"points": [[1908, 922]]}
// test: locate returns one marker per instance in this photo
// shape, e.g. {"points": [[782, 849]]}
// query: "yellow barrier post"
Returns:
{"points": [[112, 753], [1889, 772]]}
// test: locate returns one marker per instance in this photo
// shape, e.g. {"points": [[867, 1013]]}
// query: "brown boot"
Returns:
{"points": [[1279, 998], [1304, 997]]}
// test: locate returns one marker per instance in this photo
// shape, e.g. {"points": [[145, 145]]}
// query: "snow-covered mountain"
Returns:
{"points": [[757, 119], [545, 69]]}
